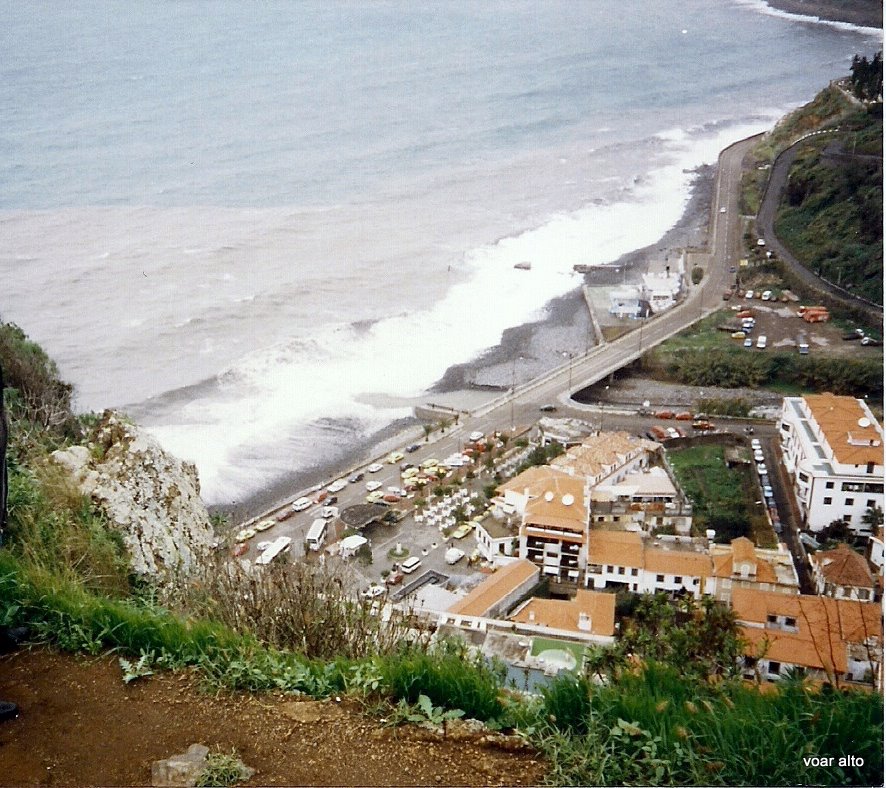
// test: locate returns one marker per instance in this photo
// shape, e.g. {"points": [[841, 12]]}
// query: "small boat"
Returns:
{"points": [[524, 266]]}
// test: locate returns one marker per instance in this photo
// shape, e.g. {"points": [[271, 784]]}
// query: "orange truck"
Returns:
{"points": [[816, 316]]}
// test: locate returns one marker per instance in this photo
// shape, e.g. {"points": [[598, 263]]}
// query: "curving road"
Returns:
{"points": [[778, 178]]}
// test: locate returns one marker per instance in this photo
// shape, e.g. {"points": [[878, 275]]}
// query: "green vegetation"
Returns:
{"points": [[222, 769], [867, 77], [733, 367], [824, 110], [832, 214], [722, 496]]}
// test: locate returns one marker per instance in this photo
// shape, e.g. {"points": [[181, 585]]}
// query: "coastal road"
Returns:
{"points": [[724, 249]]}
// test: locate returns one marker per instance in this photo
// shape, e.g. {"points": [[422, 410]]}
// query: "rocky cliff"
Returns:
{"points": [[150, 496]]}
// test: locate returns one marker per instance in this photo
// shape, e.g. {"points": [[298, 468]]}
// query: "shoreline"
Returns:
{"points": [[524, 352], [864, 13]]}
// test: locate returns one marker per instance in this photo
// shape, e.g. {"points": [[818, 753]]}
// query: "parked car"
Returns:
{"points": [[748, 342], [548, 408], [394, 577], [394, 457], [664, 414], [300, 504], [476, 436], [264, 525], [375, 467], [337, 486], [684, 416], [373, 486], [357, 477], [373, 592], [412, 447]]}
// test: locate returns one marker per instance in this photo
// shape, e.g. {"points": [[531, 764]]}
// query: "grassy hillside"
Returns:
{"points": [[832, 214]]}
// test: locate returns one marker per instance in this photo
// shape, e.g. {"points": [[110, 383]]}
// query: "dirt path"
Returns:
{"points": [[81, 725]]}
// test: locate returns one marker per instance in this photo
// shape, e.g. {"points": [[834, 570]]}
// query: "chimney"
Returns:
{"points": [[584, 622]]}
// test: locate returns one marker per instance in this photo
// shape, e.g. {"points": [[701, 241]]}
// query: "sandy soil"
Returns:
{"points": [[81, 725]]}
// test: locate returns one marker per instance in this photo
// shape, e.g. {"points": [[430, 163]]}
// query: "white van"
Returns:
{"points": [[410, 565], [761, 341], [316, 534]]}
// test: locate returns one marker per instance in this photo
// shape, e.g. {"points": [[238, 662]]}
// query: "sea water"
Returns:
{"points": [[236, 220]]}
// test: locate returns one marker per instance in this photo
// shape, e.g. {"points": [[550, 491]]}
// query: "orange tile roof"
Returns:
{"points": [[825, 626], [617, 548], [530, 478], [678, 562], [844, 567], [495, 588], [558, 501], [838, 418], [597, 452], [743, 551], [565, 614]]}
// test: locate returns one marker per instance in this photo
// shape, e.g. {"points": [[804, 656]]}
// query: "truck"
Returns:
{"points": [[816, 316], [280, 545], [316, 534]]}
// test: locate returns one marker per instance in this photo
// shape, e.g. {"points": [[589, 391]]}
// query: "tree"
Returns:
{"points": [[873, 518], [867, 77]]}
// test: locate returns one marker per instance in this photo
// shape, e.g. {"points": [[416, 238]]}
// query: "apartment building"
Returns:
{"points": [[641, 500], [741, 564], [833, 450]]}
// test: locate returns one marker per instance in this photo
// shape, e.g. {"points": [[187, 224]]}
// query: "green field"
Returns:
{"points": [[723, 498]]}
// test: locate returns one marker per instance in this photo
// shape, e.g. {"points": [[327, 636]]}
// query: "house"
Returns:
{"points": [[833, 450], [589, 616], [741, 564], [630, 561], [607, 457], [662, 290], [842, 574], [628, 301], [834, 640], [615, 560], [498, 538], [641, 500]]}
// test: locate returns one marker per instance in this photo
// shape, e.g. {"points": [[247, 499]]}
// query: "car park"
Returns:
{"points": [[300, 504], [375, 467]]}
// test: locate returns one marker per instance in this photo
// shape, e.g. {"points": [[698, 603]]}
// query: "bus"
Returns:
{"points": [[280, 545], [316, 534]]}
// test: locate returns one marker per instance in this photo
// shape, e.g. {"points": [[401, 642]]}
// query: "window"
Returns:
{"points": [[871, 503], [621, 570], [633, 572], [804, 477], [828, 500], [659, 578], [790, 622], [774, 667], [829, 485], [870, 467], [678, 579], [850, 502], [771, 619]]}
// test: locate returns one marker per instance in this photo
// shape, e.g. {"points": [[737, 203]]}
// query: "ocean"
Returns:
{"points": [[241, 222]]}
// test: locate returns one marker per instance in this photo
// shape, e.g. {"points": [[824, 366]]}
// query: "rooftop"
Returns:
{"points": [[850, 429], [495, 588], [844, 567], [589, 611], [599, 453]]}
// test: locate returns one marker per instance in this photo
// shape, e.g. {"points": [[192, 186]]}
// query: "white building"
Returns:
{"points": [[833, 450]]}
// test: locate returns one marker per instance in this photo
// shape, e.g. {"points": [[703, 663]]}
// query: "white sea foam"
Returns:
{"points": [[276, 393], [763, 7]]}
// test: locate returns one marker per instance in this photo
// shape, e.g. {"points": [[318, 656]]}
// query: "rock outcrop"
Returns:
{"points": [[152, 497]]}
